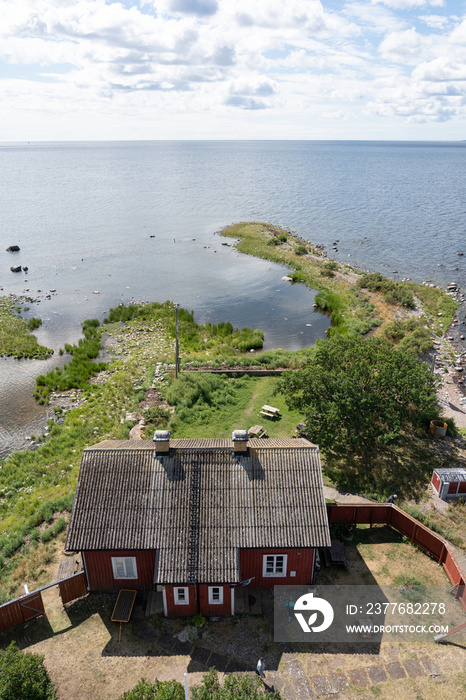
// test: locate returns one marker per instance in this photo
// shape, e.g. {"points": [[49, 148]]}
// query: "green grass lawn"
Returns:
{"points": [[248, 395]]}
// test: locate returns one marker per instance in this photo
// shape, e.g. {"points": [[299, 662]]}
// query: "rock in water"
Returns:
{"points": [[13, 248], [15, 268]]}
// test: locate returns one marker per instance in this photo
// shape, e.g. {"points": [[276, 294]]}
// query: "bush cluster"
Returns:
{"points": [[410, 335], [394, 293], [301, 250]]}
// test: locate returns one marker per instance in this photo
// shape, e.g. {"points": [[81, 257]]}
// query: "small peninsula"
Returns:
{"points": [[357, 301]]}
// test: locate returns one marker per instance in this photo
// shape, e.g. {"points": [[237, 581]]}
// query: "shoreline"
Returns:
{"points": [[320, 258]]}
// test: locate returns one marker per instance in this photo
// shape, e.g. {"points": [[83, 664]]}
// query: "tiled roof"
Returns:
{"points": [[200, 503], [451, 473]]}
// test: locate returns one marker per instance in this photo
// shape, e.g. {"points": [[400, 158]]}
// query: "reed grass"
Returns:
{"points": [[16, 339]]}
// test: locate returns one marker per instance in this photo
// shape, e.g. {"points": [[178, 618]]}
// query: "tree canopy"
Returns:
{"points": [[24, 676], [362, 398]]}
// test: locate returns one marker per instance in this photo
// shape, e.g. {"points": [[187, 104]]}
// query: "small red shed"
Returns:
{"points": [[195, 518], [450, 484]]}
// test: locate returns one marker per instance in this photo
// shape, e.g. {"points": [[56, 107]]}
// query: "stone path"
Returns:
{"points": [[291, 679]]}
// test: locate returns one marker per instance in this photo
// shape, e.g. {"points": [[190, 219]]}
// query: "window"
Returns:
{"points": [[274, 565], [124, 567], [181, 596], [215, 595]]}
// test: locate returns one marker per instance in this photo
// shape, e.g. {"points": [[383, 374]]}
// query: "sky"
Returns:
{"points": [[232, 69]]}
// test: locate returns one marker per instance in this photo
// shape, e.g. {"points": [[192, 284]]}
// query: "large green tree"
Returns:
{"points": [[363, 402], [23, 676]]}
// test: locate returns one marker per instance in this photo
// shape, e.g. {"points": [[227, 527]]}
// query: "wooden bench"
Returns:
{"points": [[270, 411]]}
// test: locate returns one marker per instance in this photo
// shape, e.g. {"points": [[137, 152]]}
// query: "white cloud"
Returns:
{"points": [[406, 47], [435, 21], [409, 4], [212, 59]]}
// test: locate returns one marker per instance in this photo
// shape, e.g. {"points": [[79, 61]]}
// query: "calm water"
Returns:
{"points": [[138, 220]]}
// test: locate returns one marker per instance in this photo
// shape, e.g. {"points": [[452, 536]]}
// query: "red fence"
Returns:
{"points": [[72, 588], [31, 605], [21, 610], [419, 534]]}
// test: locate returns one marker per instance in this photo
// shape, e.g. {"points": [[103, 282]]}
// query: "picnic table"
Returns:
{"points": [[256, 431], [336, 554], [270, 411]]}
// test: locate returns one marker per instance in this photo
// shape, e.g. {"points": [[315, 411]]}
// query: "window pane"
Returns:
{"points": [[215, 593], [120, 567], [130, 572]]}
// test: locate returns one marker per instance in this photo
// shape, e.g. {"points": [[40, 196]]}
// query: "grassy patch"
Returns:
{"points": [[439, 306], [76, 374], [16, 339], [213, 406]]}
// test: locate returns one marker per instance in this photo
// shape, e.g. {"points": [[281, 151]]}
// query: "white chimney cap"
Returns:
{"points": [[240, 436]]}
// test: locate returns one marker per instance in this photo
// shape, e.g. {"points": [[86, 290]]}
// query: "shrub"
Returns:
{"points": [[235, 687], [12, 543], [197, 620], [394, 293], [157, 416], [34, 323], [23, 676], [300, 250], [160, 690]]}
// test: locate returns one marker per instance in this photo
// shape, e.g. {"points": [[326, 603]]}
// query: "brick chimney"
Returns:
{"points": [[162, 442], [240, 441]]}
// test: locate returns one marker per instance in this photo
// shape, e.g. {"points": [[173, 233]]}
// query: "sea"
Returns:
{"points": [[103, 223]]}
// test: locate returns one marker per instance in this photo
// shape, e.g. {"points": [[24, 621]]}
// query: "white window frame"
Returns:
{"points": [[184, 600], [124, 568], [275, 573], [214, 600]]}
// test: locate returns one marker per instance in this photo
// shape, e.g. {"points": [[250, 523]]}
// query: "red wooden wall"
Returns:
{"points": [[181, 610], [212, 610], [436, 482], [99, 571], [300, 560]]}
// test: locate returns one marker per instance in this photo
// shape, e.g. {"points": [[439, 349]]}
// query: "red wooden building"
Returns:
{"points": [[192, 518], [450, 483]]}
